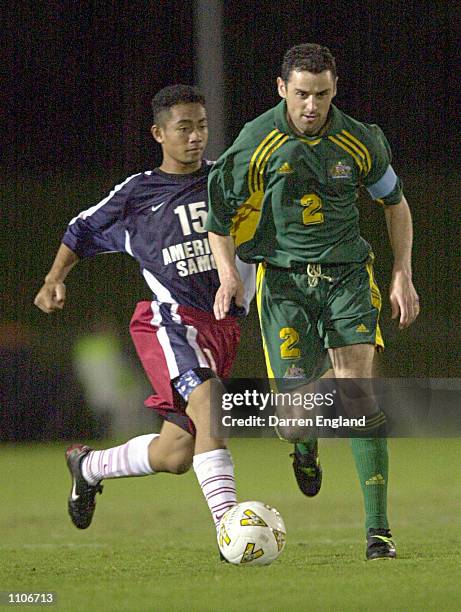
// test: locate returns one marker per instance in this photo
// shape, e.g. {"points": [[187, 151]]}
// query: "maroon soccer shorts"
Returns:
{"points": [[172, 339]]}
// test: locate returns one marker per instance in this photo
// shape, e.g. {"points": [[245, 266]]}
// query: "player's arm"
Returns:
{"points": [[227, 191], [402, 294], [222, 205], [96, 230], [52, 295], [384, 186], [223, 250]]}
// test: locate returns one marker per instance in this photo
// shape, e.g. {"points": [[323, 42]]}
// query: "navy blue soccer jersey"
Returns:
{"points": [[159, 219]]}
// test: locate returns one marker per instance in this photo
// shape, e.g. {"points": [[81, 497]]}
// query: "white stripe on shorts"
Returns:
{"points": [[192, 340]]}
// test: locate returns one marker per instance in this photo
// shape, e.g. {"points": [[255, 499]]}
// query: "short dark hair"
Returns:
{"points": [[174, 94], [310, 57]]}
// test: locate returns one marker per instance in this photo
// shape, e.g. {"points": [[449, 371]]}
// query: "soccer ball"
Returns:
{"points": [[251, 533]]}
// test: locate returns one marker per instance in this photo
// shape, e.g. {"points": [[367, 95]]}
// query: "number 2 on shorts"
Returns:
{"points": [[288, 349]]}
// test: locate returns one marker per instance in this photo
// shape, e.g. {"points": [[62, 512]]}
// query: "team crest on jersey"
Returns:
{"points": [[339, 169]]}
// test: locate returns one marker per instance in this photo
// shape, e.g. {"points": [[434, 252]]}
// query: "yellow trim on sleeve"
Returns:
{"points": [[246, 218], [252, 186], [264, 158]]}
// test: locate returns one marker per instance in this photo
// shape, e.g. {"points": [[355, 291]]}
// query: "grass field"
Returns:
{"points": [[152, 547]]}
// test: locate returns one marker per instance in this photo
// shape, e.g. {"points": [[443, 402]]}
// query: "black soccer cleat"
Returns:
{"points": [[308, 471], [81, 501], [380, 545]]}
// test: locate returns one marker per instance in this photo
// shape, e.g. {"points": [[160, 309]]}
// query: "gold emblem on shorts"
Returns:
{"points": [[294, 372], [362, 329]]}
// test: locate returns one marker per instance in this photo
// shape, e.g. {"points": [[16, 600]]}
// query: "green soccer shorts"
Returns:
{"points": [[302, 316]]}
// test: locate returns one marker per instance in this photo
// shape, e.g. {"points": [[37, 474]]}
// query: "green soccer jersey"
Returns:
{"points": [[290, 199]]}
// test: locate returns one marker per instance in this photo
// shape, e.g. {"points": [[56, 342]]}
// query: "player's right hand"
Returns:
{"points": [[51, 297], [230, 288]]}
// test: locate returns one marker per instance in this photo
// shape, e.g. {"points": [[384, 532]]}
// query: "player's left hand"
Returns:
{"points": [[404, 299]]}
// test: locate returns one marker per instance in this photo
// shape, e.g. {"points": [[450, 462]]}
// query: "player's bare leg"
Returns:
{"points": [[212, 461], [354, 361], [199, 411], [370, 453], [172, 451]]}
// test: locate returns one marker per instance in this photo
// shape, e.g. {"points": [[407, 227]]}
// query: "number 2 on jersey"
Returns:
{"points": [[312, 213], [192, 214]]}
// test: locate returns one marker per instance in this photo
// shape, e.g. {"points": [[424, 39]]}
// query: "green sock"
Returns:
{"points": [[306, 446], [371, 462]]}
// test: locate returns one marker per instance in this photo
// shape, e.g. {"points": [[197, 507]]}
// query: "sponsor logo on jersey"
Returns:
{"points": [[285, 169], [154, 208], [339, 169]]}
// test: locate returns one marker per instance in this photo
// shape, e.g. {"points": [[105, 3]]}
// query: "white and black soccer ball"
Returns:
{"points": [[251, 533]]}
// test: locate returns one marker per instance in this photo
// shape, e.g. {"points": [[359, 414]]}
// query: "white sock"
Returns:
{"points": [[129, 459], [215, 473]]}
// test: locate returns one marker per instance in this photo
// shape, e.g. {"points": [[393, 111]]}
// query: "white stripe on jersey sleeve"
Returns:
{"points": [[128, 248], [90, 211]]}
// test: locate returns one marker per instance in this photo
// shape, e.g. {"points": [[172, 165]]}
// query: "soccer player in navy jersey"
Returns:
{"points": [[158, 217]]}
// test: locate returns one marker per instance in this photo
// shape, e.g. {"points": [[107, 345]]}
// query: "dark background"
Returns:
{"points": [[77, 79]]}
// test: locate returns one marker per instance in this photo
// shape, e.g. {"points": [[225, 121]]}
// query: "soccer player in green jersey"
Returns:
{"points": [[284, 195]]}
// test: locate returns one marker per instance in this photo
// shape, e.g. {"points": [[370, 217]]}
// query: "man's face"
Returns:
{"points": [[183, 133], [308, 98]]}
